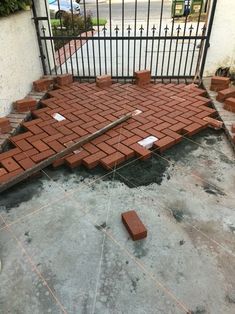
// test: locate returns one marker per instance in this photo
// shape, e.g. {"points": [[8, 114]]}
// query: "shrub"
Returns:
{"points": [[10, 6], [77, 22]]}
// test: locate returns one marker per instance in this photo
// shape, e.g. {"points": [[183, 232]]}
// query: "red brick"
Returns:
{"points": [[40, 146], [103, 81], [20, 137], [233, 128], [64, 79], [27, 153], [140, 133], [230, 102], [56, 146], [162, 126], [193, 129], [93, 160], [9, 153], [134, 225], [213, 122], [177, 127], [41, 156], [59, 162], [43, 84], [26, 163], [140, 151], [129, 153], [229, 108], [80, 131], [5, 126], [50, 130], [164, 143], [100, 139], [132, 140], [173, 134], [25, 104], [34, 129], [23, 144], [226, 93], [218, 88], [2, 171], [142, 77], [75, 160], [112, 160], [40, 136], [52, 138], [218, 80], [155, 133], [106, 148], [10, 175], [92, 149], [9, 164]]}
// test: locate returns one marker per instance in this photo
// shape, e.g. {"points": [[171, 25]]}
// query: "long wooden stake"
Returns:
{"points": [[43, 164]]}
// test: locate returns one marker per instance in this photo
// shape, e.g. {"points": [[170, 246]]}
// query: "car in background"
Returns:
{"points": [[59, 7]]}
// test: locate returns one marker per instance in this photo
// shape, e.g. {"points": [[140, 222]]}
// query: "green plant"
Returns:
{"points": [[10, 6]]}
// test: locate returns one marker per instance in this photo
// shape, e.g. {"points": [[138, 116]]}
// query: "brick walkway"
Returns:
{"points": [[66, 52], [168, 111]]}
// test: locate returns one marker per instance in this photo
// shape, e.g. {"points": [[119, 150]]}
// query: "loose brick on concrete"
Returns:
{"points": [[229, 104], [213, 122], [103, 81], [142, 77], [5, 126], [226, 93], [43, 84], [134, 225], [64, 79], [25, 104], [233, 128], [219, 83]]}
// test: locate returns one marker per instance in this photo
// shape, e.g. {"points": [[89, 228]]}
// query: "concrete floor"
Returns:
{"points": [[64, 249]]}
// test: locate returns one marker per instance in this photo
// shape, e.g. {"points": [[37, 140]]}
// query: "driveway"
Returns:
{"points": [[64, 248]]}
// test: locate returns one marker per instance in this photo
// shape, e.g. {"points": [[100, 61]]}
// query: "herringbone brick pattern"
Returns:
{"points": [[168, 112]]}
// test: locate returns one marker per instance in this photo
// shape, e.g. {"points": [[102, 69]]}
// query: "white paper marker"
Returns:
{"points": [[148, 141], [58, 117]]}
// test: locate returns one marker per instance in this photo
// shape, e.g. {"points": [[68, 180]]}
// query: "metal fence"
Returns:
{"points": [[119, 37]]}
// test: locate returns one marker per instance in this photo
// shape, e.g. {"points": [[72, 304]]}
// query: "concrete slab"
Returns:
{"points": [[83, 252]]}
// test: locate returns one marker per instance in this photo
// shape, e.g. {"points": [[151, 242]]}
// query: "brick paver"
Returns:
{"points": [[168, 112]]}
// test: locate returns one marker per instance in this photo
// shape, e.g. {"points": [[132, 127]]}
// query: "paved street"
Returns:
{"points": [[129, 10]]}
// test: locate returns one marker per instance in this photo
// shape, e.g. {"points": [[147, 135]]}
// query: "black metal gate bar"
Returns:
{"points": [[168, 49]]}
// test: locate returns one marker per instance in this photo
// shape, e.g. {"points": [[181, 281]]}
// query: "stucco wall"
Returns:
{"points": [[222, 42], [20, 64]]}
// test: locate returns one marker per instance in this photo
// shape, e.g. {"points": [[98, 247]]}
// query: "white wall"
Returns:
{"points": [[20, 63], [222, 43]]}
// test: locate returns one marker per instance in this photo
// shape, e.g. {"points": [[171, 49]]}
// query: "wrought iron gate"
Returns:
{"points": [[119, 37]]}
